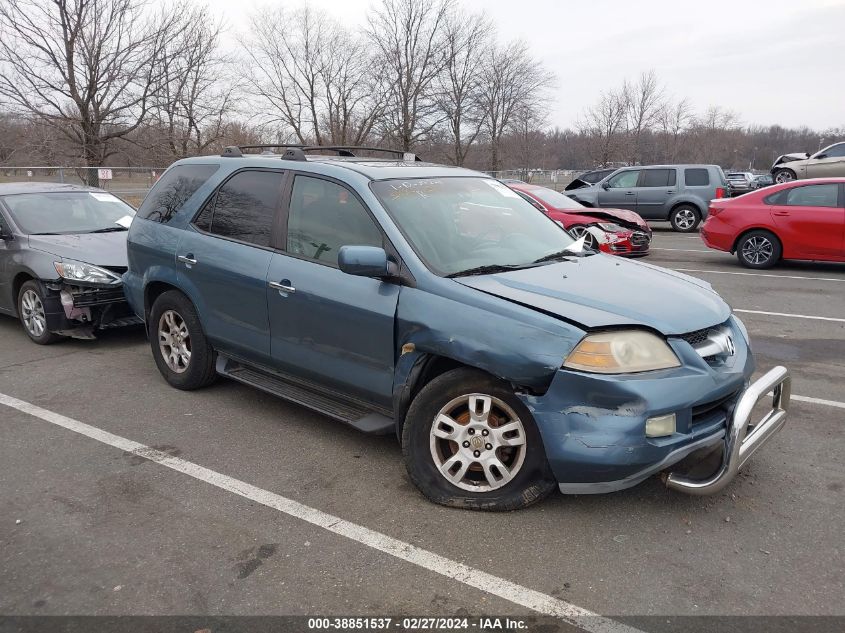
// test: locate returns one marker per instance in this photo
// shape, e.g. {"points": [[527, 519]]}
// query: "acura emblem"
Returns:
{"points": [[729, 344]]}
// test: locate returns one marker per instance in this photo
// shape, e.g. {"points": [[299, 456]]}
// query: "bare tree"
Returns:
{"points": [[88, 68], [604, 123], [197, 90], [511, 82], [674, 120], [412, 47], [643, 102], [459, 85]]}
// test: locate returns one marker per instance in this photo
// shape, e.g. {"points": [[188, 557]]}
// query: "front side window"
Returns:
{"points": [[813, 196], [173, 190], [323, 217], [658, 178], [624, 180], [460, 224], [244, 207], [696, 177], [834, 151], [69, 212]]}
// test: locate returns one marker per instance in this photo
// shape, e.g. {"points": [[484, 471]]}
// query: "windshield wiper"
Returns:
{"points": [[109, 229], [553, 256], [489, 269], [577, 249]]}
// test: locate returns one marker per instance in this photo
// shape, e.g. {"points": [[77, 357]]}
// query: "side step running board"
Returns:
{"points": [[356, 414]]}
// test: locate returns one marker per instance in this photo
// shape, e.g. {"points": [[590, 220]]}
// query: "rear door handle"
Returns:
{"points": [[187, 259], [671, 191], [282, 286], [630, 193]]}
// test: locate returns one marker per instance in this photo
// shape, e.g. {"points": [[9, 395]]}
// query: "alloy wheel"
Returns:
{"points": [[581, 231], [32, 311], [478, 443], [174, 341], [685, 219], [784, 176], [757, 250]]}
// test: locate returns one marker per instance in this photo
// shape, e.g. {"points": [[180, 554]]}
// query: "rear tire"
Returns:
{"points": [[759, 249], [32, 314], [685, 218], [180, 348], [491, 469]]}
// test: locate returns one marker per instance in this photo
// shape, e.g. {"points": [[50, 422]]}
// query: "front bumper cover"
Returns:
{"points": [[743, 439]]}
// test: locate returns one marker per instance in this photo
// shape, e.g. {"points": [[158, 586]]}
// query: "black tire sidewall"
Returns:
{"points": [[534, 480], [201, 371], [47, 336], [680, 208], [777, 249], [787, 171]]}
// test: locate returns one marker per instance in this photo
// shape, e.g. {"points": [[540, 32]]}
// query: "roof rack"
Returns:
{"points": [[297, 152]]}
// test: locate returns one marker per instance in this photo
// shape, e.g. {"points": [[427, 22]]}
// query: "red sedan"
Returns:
{"points": [[615, 231], [803, 219]]}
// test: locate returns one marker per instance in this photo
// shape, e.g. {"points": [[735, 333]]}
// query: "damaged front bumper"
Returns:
{"points": [[79, 311], [594, 426]]}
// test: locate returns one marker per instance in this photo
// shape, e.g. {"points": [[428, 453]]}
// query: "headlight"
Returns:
{"points": [[621, 352], [610, 227], [85, 273]]}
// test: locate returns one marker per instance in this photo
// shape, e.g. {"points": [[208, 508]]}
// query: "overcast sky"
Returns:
{"points": [[770, 61]]}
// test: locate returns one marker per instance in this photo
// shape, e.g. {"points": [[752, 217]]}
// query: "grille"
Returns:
{"points": [[639, 239], [702, 412], [697, 337]]}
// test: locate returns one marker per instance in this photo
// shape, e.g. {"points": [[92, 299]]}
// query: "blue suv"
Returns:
{"points": [[430, 301]]}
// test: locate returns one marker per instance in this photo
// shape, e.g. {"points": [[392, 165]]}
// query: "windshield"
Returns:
{"points": [[458, 224], [555, 199], [69, 212]]}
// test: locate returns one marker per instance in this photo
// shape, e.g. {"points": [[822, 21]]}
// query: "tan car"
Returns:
{"points": [[826, 163]]}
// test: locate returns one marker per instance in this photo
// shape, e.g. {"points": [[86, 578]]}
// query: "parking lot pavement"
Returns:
{"points": [[106, 532]]}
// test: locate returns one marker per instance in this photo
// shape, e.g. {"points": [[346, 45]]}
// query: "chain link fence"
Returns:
{"points": [[129, 183], [555, 179]]}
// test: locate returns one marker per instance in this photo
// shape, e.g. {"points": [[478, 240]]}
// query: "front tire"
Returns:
{"points": [[180, 348], [469, 442], [578, 231], [785, 175], [685, 218], [759, 249], [33, 315]]}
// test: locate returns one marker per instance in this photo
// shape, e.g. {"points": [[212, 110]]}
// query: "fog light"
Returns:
{"points": [[660, 425]]}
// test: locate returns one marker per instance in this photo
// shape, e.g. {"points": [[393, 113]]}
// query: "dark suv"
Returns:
{"points": [[435, 303], [680, 194]]}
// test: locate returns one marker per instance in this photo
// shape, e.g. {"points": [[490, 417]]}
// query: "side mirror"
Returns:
{"points": [[605, 185], [364, 261], [5, 234]]}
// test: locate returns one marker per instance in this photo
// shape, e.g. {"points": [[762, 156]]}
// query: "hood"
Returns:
{"points": [[602, 290], [100, 249], [788, 158], [625, 216]]}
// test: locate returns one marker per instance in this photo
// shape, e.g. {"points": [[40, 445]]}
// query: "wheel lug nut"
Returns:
{"points": [[485, 432], [477, 453], [488, 446], [466, 444], [471, 431]]}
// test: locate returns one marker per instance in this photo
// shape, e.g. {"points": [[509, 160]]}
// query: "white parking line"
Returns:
{"points": [[827, 403], [494, 585], [793, 316], [683, 250], [727, 272]]}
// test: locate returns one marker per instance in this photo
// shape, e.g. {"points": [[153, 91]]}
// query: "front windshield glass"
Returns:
{"points": [[555, 199], [69, 212], [460, 224]]}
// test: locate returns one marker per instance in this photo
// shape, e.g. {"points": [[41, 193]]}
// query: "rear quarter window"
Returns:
{"points": [[173, 190], [696, 177]]}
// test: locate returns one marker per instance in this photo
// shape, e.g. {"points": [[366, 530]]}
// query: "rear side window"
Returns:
{"points": [[658, 178], [173, 190], [323, 217], [813, 196], [244, 207], [696, 177]]}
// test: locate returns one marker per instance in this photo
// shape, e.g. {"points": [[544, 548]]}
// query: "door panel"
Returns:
{"points": [[333, 328], [230, 287], [826, 168], [811, 222], [656, 187], [622, 192]]}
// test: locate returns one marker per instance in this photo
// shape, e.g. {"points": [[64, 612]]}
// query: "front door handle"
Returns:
{"points": [[282, 286], [630, 193], [187, 259], [780, 212]]}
